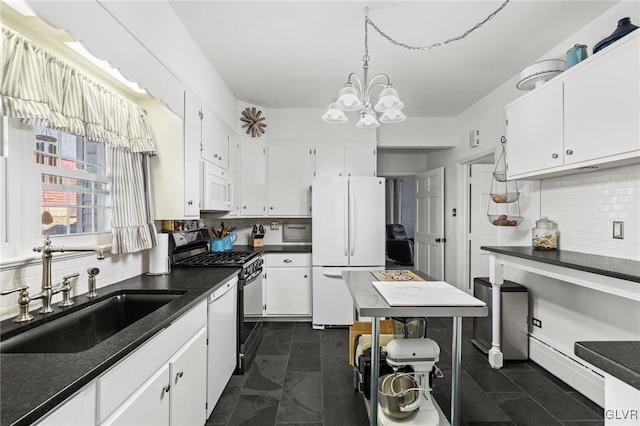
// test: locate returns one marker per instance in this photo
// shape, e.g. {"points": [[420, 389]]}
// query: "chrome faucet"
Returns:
{"points": [[47, 251]]}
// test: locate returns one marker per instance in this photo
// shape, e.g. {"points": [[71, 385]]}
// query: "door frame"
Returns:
{"points": [[463, 212]]}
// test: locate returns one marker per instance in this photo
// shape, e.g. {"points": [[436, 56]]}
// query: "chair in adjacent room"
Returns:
{"points": [[399, 245]]}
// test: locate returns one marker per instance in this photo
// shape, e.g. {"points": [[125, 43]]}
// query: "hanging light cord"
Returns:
{"points": [[460, 37]]}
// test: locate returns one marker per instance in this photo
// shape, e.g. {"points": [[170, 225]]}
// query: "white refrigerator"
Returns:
{"points": [[348, 233]]}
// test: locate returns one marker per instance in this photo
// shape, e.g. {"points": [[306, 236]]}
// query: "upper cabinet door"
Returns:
{"points": [[360, 160], [602, 106], [215, 139], [253, 188], [290, 171], [192, 143], [329, 160], [534, 131]]}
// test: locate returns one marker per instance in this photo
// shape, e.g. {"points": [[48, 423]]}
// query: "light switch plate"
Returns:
{"points": [[618, 230], [274, 225]]}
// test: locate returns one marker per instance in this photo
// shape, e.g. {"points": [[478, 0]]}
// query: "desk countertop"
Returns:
{"points": [[614, 267]]}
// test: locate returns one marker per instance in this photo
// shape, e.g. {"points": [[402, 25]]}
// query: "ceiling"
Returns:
{"points": [[296, 54]]}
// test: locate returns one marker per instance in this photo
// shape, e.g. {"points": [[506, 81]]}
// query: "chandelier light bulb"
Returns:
{"points": [[393, 116], [348, 98], [388, 100], [368, 120], [334, 115]]}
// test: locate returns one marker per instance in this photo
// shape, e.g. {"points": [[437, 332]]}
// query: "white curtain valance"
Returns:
{"points": [[42, 90]]}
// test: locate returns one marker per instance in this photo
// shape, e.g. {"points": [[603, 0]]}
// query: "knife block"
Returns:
{"points": [[256, 240]]}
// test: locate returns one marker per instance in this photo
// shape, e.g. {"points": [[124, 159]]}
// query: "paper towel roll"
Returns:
{"points": [[159, 263]]}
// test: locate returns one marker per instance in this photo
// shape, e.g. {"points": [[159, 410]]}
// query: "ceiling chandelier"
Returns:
{"points": [[355, 94], [354, 97]]}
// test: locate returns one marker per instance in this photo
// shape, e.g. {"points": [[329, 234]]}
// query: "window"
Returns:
{"points": [[74, 194]]}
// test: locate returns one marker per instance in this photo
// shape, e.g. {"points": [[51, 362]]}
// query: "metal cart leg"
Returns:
{"points": [[456, 358], [375, 369]]}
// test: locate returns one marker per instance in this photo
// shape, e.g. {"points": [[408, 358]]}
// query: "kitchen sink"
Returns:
{"points": [[84, 328]]}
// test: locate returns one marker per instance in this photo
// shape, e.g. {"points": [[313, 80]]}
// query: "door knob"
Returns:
{"points": [[554, 155], [569, 152]]}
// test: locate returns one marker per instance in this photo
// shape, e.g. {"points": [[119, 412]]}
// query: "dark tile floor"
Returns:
{"points": [[301, 376]]}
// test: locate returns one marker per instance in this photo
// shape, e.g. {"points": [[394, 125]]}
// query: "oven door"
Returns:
{"points": [[253, 297]]}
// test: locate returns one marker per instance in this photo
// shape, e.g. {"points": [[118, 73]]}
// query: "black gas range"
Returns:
{"points": [[190, 249]]}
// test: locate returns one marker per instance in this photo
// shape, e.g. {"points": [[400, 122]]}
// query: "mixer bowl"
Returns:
{"points": [[393, 395]]}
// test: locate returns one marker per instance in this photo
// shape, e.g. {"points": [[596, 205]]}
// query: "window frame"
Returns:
{"points": [[22, 186]]}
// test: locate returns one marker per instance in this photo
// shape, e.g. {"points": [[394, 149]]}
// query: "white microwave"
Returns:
{"points": [[216, 189]]}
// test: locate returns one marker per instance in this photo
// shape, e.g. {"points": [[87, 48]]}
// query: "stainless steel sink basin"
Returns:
{"points": [[84, 328]]}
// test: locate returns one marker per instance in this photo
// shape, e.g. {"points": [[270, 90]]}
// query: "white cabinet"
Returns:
{"points": [[79, 410], [587, 116], [215, 139], [234, 174], [534, 131], [176, 171], [192, 146], [287, 285], [602, 106], [253, 186], [360, 160], [133, 385], [148, 406], [188, 384], [329, 161], [345, 160], [290, 171]]}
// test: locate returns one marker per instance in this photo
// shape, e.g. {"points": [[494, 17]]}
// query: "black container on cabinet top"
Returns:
{"points": [[624, 27]]}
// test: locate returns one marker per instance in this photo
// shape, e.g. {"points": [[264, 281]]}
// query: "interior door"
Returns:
{"points": [[481, 231], [429, 227]]}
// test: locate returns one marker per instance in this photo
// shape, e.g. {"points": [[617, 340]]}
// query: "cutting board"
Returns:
{"points": [[424, 293]]}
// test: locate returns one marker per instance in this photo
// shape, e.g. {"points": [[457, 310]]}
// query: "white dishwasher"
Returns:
{"points": [[222, 314]]}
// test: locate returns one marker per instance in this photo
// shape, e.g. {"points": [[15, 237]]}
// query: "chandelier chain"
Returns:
{"points": [[460, 37]]}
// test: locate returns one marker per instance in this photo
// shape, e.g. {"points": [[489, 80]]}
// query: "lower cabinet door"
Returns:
{"points": [[189, 383], [78, 410], [148, 406], [288, 291]]}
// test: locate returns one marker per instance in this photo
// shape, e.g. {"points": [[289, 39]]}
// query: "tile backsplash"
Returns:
{"points": [[113, 268], [585, 206]]}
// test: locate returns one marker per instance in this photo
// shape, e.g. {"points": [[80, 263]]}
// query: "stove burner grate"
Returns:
{"points": [[230, 258]]}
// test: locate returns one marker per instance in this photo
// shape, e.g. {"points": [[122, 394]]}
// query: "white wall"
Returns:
{"points": [[585, 205], [418, 132], [401, 162], [294, 125]]}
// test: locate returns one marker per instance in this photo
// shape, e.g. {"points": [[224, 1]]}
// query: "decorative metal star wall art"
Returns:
{"points": [[254, 123]]}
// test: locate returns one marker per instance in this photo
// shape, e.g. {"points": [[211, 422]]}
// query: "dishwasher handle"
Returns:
{"points": [[224, 289]]}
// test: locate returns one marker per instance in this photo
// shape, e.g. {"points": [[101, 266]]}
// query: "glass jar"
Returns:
{"points": [[545, 235]]}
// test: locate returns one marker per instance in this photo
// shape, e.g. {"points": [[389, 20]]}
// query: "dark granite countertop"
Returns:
{"points": [[614, 267], [272, 248], [33, 384], [617, 358]]}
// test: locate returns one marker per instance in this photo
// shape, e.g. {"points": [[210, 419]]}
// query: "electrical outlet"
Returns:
{"points": [[618, 230], [536, 322], [274, 225]]}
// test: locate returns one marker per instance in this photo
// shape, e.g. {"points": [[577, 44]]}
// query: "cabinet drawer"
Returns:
{"points": [[123, 379], [287, 260]]}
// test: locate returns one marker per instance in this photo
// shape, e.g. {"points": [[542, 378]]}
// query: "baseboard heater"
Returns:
{"points": [[578, 375]]}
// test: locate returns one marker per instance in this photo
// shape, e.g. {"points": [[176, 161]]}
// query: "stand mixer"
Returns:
{"points": [[421, 355]]}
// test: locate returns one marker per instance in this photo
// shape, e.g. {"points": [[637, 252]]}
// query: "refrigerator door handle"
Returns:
{"points": [[352, 213], [346, 221]]}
